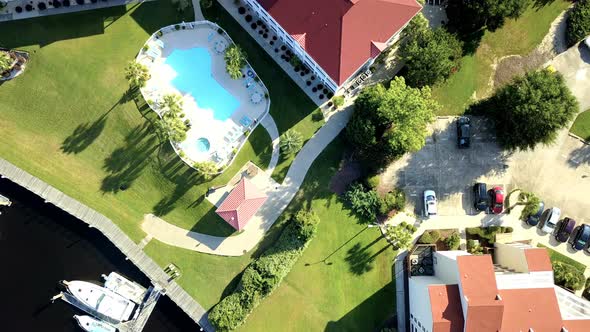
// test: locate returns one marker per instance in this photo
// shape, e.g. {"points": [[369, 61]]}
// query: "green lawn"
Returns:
{"points": [[343, 281], [516, 37], [67, 120], [581, 126], [290, 108], [555, 256]]}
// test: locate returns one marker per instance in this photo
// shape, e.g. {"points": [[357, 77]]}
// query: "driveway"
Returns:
{"points": [[574, 64], [448, 170]]}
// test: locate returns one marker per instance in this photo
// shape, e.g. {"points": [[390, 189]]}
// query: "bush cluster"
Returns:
{"points": [[429, 237], [474, 249], [488, 233], [578, 22], [265, 274], [367, 203], [568, 276], [453, 242]]}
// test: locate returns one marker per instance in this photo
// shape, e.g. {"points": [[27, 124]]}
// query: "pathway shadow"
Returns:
{"points": [[369, 315], [360, 260], [126, 163]]}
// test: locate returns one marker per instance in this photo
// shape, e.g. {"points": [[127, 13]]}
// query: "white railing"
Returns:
{"points": [[183, 26]]}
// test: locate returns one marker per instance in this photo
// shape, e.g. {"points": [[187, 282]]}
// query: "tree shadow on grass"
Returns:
{"points": [[538, 4], [126, 163], [360, 260], [85, 134], [368, 315]]}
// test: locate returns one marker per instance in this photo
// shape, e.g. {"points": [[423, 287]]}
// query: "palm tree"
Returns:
{"points": [[172, 104], [137, 74], [235, 59], [290, 142], [5, 61]]}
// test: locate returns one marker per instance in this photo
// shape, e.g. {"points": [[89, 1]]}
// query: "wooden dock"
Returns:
{"points": [[108, 228]]}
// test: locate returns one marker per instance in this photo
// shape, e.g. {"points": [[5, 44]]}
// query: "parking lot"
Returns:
{"points": [[448, 170]]}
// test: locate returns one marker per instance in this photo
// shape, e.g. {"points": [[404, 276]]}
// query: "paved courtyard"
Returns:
{"points": [[448, 170]]}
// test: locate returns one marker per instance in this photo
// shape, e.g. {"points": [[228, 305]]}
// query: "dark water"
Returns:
{"points": [[41, 245]]}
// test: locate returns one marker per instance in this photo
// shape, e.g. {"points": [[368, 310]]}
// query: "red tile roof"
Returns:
{"points": [[339, 34], [445, 303], [241, 204], [538, 259], [478, 284], [578, 325], [529, 309]]}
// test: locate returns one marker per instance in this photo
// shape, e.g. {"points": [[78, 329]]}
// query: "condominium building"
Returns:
{"points": [[510, 291]]}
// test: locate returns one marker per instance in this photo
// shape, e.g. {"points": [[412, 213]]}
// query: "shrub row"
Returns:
{"points": [[578, 22], [429, 237], [488, 233], [265, 273]]}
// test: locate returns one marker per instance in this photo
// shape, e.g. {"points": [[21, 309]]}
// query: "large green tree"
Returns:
{"points": [[473, 15], [578, 22], [531, 110], [388, 122], [430, 55]]}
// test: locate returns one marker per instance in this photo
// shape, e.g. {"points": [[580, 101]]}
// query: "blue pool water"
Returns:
{"points": [[193, 69], [203, 145]]}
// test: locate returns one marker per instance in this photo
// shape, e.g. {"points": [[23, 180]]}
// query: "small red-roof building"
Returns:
{"points": [[513, 291], [336, 39], [241, 204]]}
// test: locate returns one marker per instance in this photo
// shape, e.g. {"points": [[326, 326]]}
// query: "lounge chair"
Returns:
{"points": [[246, 121], [159, 43]]}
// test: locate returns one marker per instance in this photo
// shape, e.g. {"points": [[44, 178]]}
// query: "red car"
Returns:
{"points": [[497, 200]]}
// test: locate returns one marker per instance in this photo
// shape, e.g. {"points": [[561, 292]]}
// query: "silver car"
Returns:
{"points": [[550, 219], [430, 208]]}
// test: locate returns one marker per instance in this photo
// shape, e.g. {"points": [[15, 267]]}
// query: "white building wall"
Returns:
{"points": [[511, 257], [445, 266], [420, 310], [543, 279]]}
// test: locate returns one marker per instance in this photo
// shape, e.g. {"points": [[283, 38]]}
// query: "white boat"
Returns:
{"points": [[101, 300], [90, 324], [5, 201], [124, 287]]}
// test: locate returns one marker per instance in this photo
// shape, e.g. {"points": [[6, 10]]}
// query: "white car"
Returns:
{"points": [[550, 219], [430, 208]]}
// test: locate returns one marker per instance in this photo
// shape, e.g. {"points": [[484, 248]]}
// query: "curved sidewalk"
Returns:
{"points": [[269, 124], [277, 201]]}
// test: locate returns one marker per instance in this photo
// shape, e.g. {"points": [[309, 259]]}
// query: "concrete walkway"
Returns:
{"points": [[269, 124], [277, 201], [197, 8]]}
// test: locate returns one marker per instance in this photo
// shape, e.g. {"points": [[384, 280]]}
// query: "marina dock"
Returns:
{"points": [[109, 229]]}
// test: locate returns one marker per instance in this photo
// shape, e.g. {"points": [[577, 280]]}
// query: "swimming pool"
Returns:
{"points": [[193, 76], [203, 145]]}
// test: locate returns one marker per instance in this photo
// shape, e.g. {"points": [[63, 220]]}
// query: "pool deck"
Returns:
{"points": [[224, 135]]}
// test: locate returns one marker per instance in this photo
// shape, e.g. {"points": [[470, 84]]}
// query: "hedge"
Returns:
{"points": [[265, 274], [488, 233], [578, 22], [453, 242], [429, 237]]}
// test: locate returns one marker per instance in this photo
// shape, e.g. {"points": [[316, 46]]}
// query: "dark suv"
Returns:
{"points": [[581, 237], [533, 219], [565, 229], [463, 132], [480, 194]]}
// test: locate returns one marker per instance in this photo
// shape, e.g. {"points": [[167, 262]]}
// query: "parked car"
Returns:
{"points": [[533, 219], [565, 229], [463, 132], [549, 219], [581, 237], [480, 194], [497, 200], [430, 206]]}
